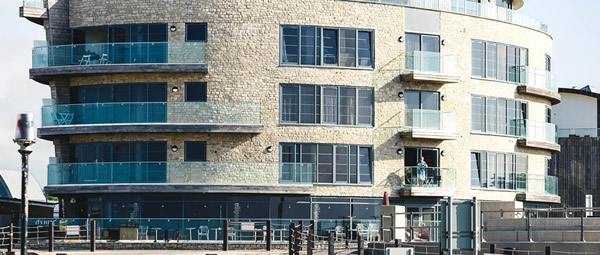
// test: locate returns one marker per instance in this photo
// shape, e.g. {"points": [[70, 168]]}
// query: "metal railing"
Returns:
{"points": [[431, 62], [429, 177], [430, 120], [578, 132], [35, 3], [120, 53], [489, 11], [537, 130], [152, 112], [250, 173]]}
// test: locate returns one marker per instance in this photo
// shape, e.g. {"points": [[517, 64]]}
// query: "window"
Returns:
{"points": [[498, 61], [195, 32], [195, 92], [127, 92], [548, 114], [334, 105], [422, 42], [119, 152], [317, 46], [339, 164], [497, 115], [195, 151], [120, 33], [423, 100], [495, 170], [548, 63], [504, 3]]}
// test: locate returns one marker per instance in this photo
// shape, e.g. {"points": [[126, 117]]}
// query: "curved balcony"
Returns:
{"points": [[539, 135], [152, 117], [537, 82], [102, 58], [428, 182], [538, 188], [429, 124], [204, 177], [34, 10], [432, 67], [488, 11]]}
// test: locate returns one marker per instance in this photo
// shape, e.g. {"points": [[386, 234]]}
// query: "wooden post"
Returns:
{"points": [[299, 235], [492, 248], [330, 243], [548, 250], [51, 236], [11, 237], [93, 238], [291, 239], [268, 235], [312, 231], [298, 239], [360, 244], [309, 248], [225, 235]]}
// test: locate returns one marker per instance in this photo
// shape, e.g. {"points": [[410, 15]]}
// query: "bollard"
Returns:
{"points": [[268, 234], [93, 238], [51, 236], [360, 244], [492, 248], [330, 243], [11, 236], [291, 239], [582, 228], [548, 250], [225, 235]]}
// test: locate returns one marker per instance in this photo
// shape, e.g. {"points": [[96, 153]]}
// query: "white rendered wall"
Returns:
{"points": [[575, 111]]}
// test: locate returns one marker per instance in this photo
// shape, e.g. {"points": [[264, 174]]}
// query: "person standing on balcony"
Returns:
{"points": [[421, 171]]}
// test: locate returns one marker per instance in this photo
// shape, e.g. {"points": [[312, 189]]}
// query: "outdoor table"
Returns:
{"points": [[216, 232], [156, 233], [190, 229]]}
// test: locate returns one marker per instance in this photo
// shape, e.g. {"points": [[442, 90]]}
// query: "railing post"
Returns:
{"points": [[93, 238], [11, 237], [51, 236], [330, 244], [268, 235], [225, 235], [582, 227], [492, 248], [291, 239], [360, 245], [548, 250], [528, 222]]}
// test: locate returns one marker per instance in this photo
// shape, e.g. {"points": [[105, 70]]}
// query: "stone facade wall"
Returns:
{"points": [[243, 57]]}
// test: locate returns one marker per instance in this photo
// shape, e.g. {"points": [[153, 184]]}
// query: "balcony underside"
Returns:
{"points": [[49, 132], [554, 97], [538, 145], [35, 15], [44, 75], [179, 188], [426, 192], [428, 134], [529, 197], [430, 77]]}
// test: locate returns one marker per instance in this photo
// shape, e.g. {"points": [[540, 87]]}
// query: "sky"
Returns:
{"points": [[572, 25]]}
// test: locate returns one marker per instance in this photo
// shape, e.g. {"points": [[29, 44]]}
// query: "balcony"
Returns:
{"points": [[34, 10], [428, 182], [539, 135], [429, 124], [538, 188], [102, 58], [203, 177], [433, 67], [579, 132], [537, 82], [488, 11], [151, 117]]}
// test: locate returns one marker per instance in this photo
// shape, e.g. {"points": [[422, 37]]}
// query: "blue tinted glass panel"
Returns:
{"points": [[330, 47]]}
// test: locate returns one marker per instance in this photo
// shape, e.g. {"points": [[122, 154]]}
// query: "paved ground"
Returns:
{"points": [[176, 252]]}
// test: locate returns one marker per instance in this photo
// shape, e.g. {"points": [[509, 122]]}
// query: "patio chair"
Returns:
{"points": [[339, 233], [104, 59], [143, 231], [85, 60], [362, 231], [230, 234], [202, 231], [248, 226], [373, 232]]}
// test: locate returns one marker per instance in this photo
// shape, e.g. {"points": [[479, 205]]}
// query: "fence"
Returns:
{"points": [[493, 249]]}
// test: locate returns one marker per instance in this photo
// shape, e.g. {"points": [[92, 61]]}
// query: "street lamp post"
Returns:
{"points": [[24, 137]]}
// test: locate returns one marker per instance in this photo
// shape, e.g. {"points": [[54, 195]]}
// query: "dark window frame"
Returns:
{"points": [[204, 92], [187, 144], [205, 27]]}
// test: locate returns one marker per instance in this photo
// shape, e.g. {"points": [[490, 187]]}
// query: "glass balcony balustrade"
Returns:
{"points": [[430, 121], [537, 131], [429, 177], [431, 62], [34, 3], [154, 112], [120, 53], [579, 132], [537, 184], [536, 78], [249, 173], [489, 11]]}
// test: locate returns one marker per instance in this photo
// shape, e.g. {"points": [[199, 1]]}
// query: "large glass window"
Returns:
{"points": [[495, 170], [314, 46], [195, 32], [120, 33], [335, 105], [119, 152], [496, 115], [498, 61], [195, 151], [195, 92], [127, 92], [341, 164]]}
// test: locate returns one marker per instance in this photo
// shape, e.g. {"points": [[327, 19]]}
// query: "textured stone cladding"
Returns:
{"points": [[243, 58]]}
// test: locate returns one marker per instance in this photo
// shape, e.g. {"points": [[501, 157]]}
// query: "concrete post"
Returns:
{"points": [[360, 244], [582, 227], [51, 236], [93, 238], [475, 226], [528, 222], [225, 235], [269, 235]]}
